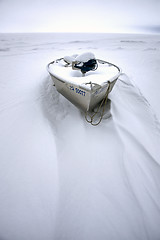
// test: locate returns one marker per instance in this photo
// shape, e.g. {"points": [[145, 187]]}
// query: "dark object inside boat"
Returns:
{"points": [[86, 66]]}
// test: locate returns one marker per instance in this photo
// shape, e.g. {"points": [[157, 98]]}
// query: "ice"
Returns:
{"points": [[60, 177]]}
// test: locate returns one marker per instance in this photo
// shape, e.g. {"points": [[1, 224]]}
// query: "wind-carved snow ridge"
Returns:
{"points": [[132, 102], [139, 132], [124, 78]]}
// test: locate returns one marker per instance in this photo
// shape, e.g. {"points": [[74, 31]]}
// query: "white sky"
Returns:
{"points": [[78, 15]]}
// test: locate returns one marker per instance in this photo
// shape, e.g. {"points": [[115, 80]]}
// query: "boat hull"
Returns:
{"points": [[86, 95], [82, 98]]}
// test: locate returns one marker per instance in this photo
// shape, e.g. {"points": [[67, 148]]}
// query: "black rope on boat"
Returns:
{"points": [[100, 109]]}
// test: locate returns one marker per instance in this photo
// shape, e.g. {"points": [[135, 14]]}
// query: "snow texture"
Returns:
{"points": [[60, 177], [85, 57]]}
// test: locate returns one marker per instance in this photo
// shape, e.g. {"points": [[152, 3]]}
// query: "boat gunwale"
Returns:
{"points": [[84, 85]]}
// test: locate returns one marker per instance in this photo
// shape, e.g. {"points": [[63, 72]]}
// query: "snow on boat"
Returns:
{"points": [[83, 79]]}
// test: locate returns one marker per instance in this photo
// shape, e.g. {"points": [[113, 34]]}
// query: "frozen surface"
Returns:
{"points": [[60, 178]]}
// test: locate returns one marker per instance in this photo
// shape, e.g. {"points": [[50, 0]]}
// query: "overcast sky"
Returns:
{"points": [[79, 15]]}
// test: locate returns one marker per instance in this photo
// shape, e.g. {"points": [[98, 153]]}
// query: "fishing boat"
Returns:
{"points": [[83, 80]]}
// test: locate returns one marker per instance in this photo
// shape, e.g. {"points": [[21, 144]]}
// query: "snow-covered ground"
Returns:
{"points": [[60, 177]]}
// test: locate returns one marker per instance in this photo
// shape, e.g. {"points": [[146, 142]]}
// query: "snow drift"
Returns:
{"points": [[61, 178]]}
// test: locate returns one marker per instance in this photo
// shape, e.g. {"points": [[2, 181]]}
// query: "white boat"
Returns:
{"points": [[83, 80]]}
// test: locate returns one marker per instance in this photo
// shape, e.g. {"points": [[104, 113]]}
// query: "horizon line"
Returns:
{"points": [[49, 32]]}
